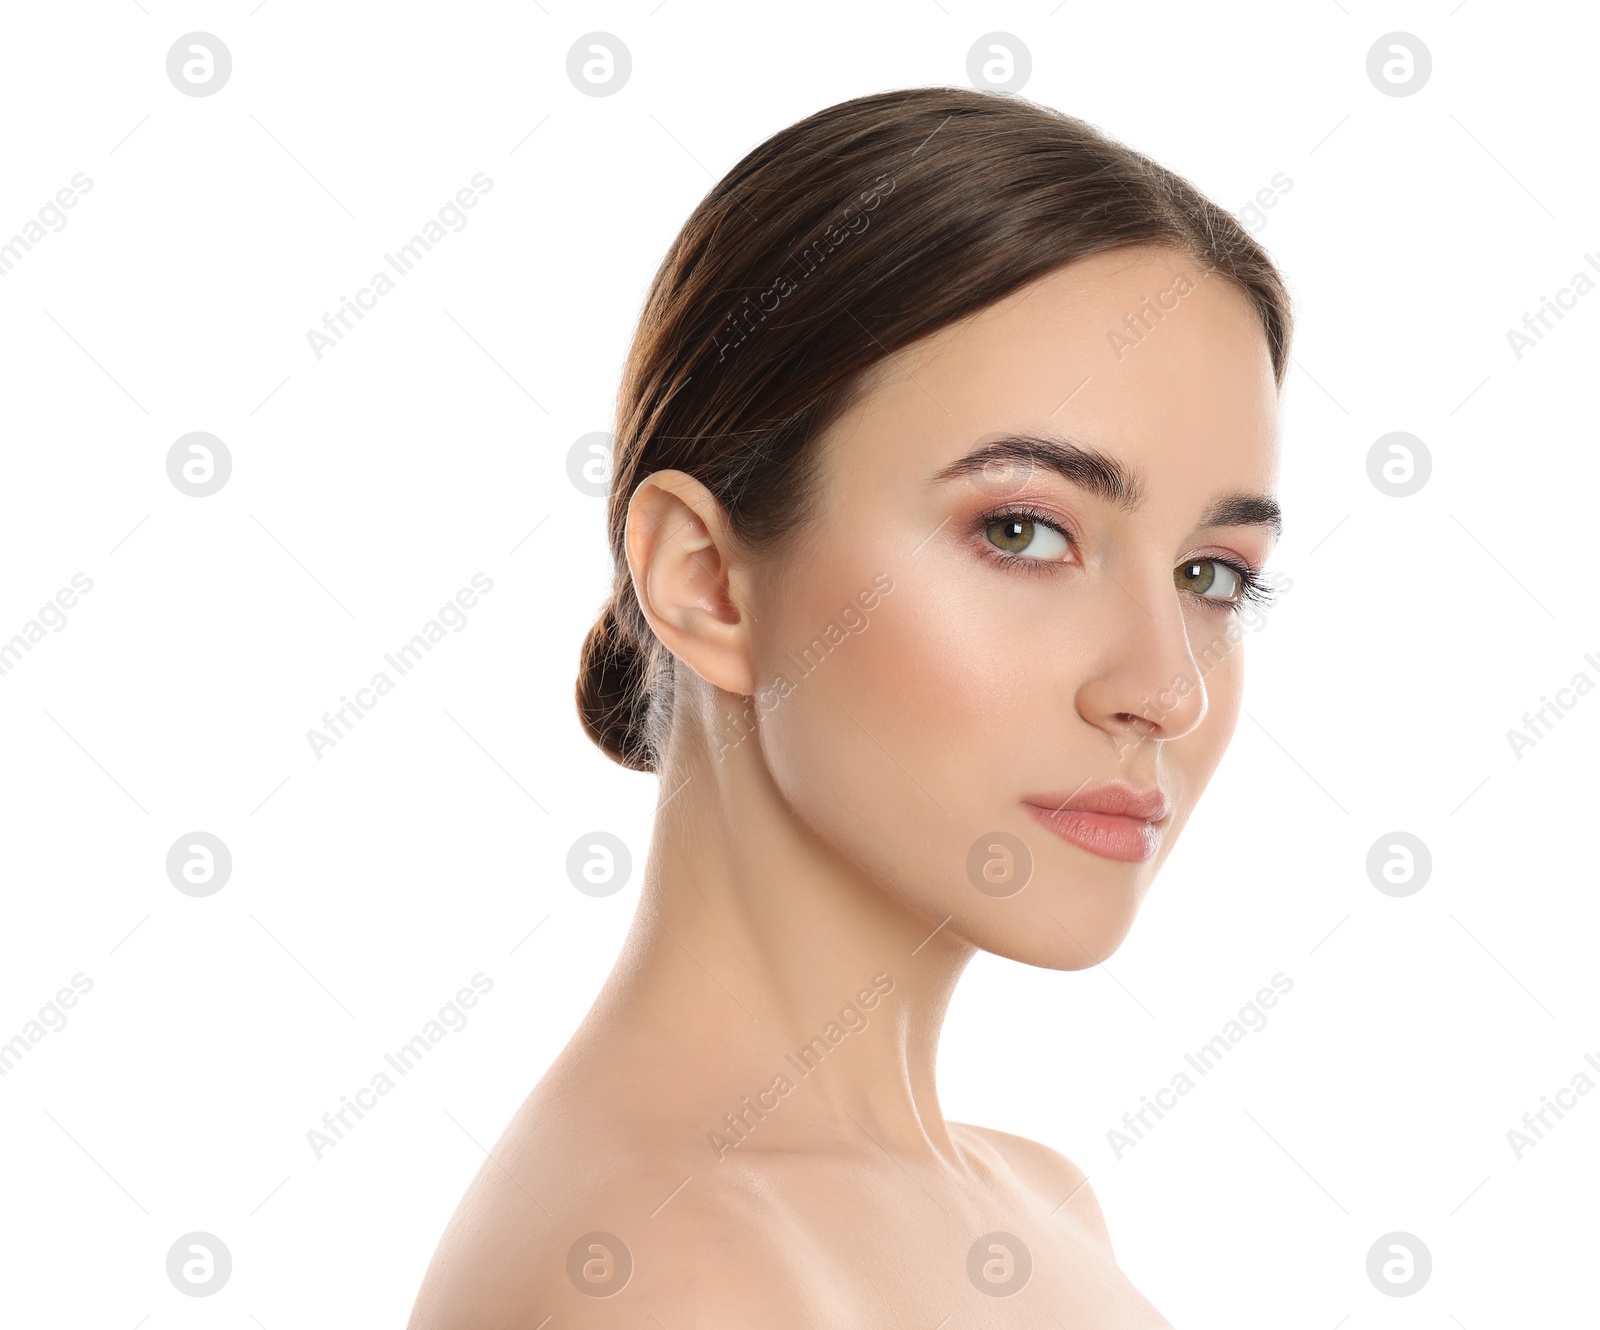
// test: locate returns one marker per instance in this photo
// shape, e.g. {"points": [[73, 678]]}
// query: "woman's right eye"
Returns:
{"points": [[1024, 538]]}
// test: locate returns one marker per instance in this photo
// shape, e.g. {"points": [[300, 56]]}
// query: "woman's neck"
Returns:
{"points": [[778, 994]]}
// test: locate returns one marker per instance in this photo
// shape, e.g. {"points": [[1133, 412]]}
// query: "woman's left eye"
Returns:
{"points": [[1024, 538], [1210, 578]]}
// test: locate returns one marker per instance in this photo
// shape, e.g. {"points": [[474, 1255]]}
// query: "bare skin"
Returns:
{"points": [[808, 882]]}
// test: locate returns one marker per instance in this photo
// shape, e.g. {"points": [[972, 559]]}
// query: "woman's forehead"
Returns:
{"points": [[1141, 355]]}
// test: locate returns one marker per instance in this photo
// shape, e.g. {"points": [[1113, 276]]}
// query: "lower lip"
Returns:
{"points": [[1131, 840]]}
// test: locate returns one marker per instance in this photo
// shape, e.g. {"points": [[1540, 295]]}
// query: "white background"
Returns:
{"points": [[369, 485]]}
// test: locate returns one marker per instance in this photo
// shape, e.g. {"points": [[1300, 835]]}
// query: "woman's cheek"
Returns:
{"points": [[1220, 661], [883, 749], [935, 680]]}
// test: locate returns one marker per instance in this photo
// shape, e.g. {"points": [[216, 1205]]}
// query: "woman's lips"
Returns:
{"points": [[1114, 822]]}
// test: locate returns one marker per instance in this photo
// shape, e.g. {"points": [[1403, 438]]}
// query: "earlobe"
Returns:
{"points": [[688, 576]]}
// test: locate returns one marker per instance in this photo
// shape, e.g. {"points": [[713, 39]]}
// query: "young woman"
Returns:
{"points": [[944, 467]]}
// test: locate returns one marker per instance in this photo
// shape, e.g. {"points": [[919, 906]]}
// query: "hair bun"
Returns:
{"points": [[613, 693]]}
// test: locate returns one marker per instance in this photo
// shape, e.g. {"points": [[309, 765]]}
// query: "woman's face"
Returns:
{"points": [[1068, 497]]}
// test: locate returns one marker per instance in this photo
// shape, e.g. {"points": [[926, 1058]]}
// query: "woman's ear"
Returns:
{"points": [[690, 578]]}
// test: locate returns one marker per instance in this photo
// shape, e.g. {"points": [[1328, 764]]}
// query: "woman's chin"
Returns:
{"points": [[1062, 938]]}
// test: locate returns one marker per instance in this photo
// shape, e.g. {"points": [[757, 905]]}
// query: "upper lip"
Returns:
{"points": [[1114, 798]]}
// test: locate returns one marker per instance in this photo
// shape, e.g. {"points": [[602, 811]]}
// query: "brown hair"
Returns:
{"points": [[838, 241]]}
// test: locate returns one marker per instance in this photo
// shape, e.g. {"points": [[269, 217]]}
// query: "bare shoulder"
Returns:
{"points": [[1050, 1173], [594, 1258], [592, 1239]]}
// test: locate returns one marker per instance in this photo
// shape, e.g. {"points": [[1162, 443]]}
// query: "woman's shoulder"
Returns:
{"points": [[1048, 1172], [565, 1215]]}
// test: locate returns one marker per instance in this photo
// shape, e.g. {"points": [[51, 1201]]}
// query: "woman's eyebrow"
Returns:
{"points": [[1245, 510], [1013, 460]]}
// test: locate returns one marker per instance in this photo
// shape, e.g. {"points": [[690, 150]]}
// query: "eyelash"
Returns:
{"points": [[1253, 588]]}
